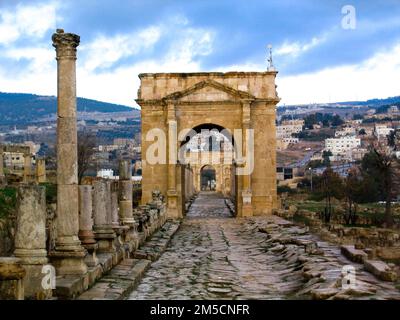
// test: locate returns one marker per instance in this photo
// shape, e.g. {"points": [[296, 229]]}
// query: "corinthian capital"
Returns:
{"points": [[65, 44]]}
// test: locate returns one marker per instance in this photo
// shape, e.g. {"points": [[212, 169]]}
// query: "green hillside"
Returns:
{"points": [[20, 108]]}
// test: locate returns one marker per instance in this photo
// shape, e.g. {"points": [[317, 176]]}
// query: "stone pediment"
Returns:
{"points": [[209, 90]]}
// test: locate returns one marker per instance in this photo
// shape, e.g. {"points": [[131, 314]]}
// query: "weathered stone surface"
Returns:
{"points": [[214, 257], [69, 254], [353, 254], [235, 100], [41, 171], [11, 279], [125, 170], [380, 269], [30, 239]]}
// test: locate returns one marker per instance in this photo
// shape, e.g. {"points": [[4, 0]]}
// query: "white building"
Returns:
{"points": [[382, 130], [346, 131], [288, 127], [341, 146], [106, 174]]}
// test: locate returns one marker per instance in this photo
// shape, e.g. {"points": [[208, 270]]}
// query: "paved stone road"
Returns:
{"points": [[214, 256]]}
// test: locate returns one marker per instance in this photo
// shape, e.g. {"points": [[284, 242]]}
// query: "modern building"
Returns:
{"points": [[288, 128], [382, 131], [340, 146]]}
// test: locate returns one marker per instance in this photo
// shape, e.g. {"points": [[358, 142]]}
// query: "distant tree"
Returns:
{"points": [[393, 139], [86, 145], [357, 116], [314, 164], [382, 168], [325, 156], [337, 121], [353, 189], [362, 132], [329, 186], [325, 123]]}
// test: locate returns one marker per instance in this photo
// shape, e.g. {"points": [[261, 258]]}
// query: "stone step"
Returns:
{"points": [[353, 254], [125, 276], [119, 282], [380, 269]]}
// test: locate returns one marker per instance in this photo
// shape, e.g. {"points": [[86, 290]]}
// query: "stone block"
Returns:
{"points": [[380, 269], [354, 254]]}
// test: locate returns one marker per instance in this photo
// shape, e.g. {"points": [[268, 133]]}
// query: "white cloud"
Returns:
{"points": [[120, 85], [95, 80], [294, 49], [34, 21], [376, 77], [104, 51]]}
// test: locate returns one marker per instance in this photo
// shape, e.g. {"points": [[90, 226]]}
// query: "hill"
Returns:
{"points": [[19, 108], [374, 103]]}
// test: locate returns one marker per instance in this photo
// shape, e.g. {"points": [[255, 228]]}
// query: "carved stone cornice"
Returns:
{"points": [[65, 44]]}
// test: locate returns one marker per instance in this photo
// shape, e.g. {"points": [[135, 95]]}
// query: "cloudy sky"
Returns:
{"points": [[322, 53]]}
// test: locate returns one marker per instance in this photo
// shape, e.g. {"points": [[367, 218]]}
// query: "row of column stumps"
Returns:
{"points": [[89, 218]]}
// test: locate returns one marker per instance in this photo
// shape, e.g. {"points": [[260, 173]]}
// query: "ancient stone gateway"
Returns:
{"points": [[242, 103]]}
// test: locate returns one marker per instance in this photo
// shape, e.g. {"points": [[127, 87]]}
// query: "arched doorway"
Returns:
{"points": [[208, 178]]}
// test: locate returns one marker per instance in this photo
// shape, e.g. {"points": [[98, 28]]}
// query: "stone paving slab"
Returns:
{"points": [[215, 256], [125, 276]]}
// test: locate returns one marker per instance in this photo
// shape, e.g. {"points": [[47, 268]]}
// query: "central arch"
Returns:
{"points": [[180, 102], [208, 178]]}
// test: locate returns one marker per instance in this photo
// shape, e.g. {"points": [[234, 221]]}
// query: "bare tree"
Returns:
{"points": [[383, 164], [86, 145], [331, 187]]}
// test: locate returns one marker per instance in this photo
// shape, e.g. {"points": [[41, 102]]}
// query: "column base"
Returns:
{"points": [[172, 205], [69, 262], [105, 239], [91, 259], [35, 285], [86, 237]]}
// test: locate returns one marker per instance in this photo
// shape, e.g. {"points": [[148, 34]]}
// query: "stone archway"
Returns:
{"points": [[208, 178], [174, 102]]}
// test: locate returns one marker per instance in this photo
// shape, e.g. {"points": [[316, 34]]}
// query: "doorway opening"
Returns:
{"points": [[208, 178]]}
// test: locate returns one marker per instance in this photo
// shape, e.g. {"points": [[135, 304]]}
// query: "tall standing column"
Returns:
{"points": [[27, 167], [2, 176], [172, 195], [40, 170], [69, 254]]}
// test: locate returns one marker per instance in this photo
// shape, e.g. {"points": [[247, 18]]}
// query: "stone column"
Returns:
{"points": [[40, 170], [30, 239], [103, 228], [2, 175], [86, 234], [247, 208], [172, 194], [125, 204], [69, 253], [116, 225], [125, 192], [11, 279], [27, 167]]}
